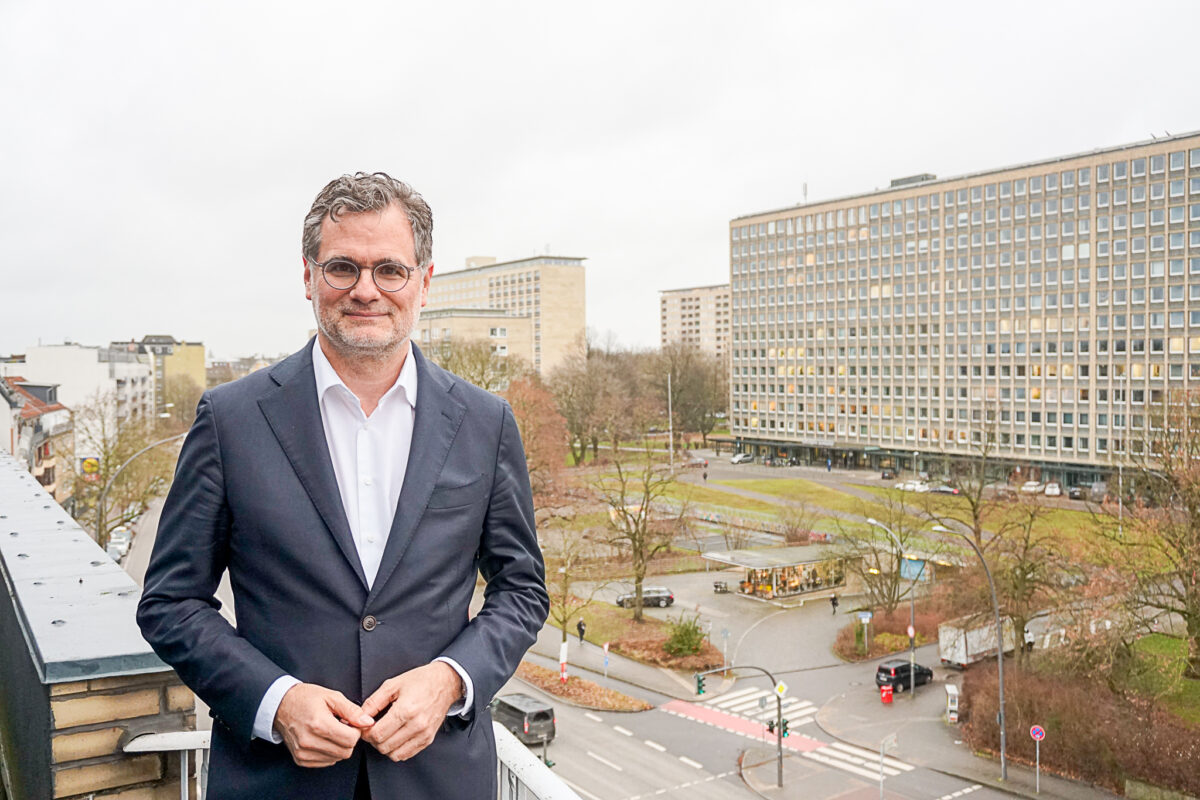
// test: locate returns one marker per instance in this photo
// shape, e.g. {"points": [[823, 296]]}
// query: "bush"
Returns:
{"points": [[686, 636], [889, 634], [1091, 733]]}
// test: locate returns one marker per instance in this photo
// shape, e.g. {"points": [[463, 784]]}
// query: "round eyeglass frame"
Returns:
{"points": [[359, 271]]}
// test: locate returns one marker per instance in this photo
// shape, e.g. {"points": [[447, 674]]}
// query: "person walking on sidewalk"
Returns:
{"points": [[833, 601], [581, 626]]}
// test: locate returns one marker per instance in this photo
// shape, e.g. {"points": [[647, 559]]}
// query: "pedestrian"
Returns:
{"points": [[833, 601], [829, 465], [581, 626], [705, 473], [354, 491]]}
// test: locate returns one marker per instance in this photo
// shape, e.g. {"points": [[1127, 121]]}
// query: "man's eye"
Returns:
{"points": [[341, 269], [390, 271]]}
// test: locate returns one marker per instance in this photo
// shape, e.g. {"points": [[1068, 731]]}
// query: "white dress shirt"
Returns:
{"points": [[370, 457]]}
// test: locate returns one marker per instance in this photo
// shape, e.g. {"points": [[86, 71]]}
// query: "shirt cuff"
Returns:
{"points": [[264, 720], [462, 708]]}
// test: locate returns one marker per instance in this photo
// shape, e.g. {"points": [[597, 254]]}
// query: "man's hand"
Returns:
{"points": [[319, 726], [419, 700]]}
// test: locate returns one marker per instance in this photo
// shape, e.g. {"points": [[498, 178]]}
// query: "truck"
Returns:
{"points": [[965, 640]]}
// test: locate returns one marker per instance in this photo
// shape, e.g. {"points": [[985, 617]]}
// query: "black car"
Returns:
{"points": [[897, 672], [888, 474], [530, 720], [659, 596], [1076, 493]]}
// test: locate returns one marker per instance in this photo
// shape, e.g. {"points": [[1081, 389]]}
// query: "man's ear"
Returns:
{"points": [[307, 280]]}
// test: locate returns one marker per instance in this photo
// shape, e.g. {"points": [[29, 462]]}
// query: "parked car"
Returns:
{"points": [[888, 474], [531, 720], [944, 488], [696, 463], [794, 461], [659, 596], [742, 458], [898, 672], [1076, 493], [119, 539], [912, 486], [769, 461], [1053, 489], [1031, 487]]}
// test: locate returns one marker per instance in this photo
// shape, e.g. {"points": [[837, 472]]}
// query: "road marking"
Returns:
{"points": [[870, 756], [622, 731], [961, 792], [604, 761], [872, 764], [746, 633], [842, 765], [580, 789], [690, 763], [736, 697], [655, 746], [697, 782], [592, 716]]}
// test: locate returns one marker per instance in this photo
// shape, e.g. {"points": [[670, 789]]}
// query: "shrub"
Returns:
{"points": [[686, 636]]}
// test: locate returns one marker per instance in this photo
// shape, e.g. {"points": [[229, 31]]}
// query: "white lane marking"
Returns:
{"points": [[833, 762], [655, 746], [592, 716], [869, 756], [622, 731], [604, 761], [729, 697], [580, 789], [853, 759], [961, 792], [690, 763]]}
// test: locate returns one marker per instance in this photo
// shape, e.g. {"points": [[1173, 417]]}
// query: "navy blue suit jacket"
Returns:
{"points": [[255, 493]]}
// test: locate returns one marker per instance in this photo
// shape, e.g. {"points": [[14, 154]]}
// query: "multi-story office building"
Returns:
{"points": [[508, 335], [698, 316], [549, 290], [1048, 305]]}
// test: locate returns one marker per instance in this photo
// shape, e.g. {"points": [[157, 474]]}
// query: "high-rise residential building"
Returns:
{"points": [[173, 361], [698, 316], [87, 375], [1048, 306], [549, 290], [508, 335]]}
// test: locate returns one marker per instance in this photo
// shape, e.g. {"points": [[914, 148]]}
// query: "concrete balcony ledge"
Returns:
{"points": [[77, 681]]}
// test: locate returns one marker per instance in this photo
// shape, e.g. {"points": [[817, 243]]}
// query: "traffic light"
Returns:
{"points": [[783, 727], [771, 726], [699, 684]]}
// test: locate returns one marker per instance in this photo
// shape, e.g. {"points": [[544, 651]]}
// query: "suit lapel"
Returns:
{"points": [[294, 415], [438, 416]]}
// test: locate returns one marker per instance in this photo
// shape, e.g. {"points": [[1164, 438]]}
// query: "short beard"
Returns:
{"points": [[364, 348]]}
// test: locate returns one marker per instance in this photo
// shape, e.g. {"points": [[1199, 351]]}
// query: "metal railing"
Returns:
{"points": [[520, 774]]}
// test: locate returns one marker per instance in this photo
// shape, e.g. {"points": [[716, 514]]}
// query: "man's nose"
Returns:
{"points": [[365, 290]]}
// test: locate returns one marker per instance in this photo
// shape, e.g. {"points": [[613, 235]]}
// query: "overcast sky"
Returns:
{"points": [[157, 159]]}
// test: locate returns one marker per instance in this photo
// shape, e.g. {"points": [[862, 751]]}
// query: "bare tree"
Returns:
{"points": [[797, 520], [698, 387], [476, 361], [977, 501], [181, 395], [576, 388], [543, 434], [871, 554], [637, 521], [571, 560]]}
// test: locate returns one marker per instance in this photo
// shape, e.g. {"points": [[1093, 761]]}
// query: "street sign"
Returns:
{"points": [[606, 648], [1037, 733], [724, 633], [781, 689], [762, 702], [864, 617], [911, 631]]}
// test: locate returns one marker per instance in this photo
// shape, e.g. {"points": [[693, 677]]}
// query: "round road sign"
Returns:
{"points": [[1037, 733]]}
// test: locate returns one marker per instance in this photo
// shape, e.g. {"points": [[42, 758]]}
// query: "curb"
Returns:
{"points": [[726, 683]]}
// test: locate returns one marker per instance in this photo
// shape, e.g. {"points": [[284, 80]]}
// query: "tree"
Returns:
{"points": [[570, 560], [181, 395], [977, 501], [631, 493], [871, 554], [543, 433], [698, 387], [575, 388], [796, 521], [105, 431], [1158, 535], [476, 361]]}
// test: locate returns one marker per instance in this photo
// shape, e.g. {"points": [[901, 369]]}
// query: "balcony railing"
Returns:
{"points": [[85, 705]]}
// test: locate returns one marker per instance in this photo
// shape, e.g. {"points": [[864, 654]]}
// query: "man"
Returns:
{"points": [[833, 602], [353, 491], [581, 626]]}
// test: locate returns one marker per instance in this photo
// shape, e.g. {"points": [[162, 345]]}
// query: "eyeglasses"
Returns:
{"points": [[343, 274]]}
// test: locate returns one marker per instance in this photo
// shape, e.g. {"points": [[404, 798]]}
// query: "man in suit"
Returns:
{"points": [[353, 492]]}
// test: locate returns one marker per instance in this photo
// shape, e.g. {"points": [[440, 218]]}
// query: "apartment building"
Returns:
{"points": [[84, 374], [508, 335], [1048, 305], [173, 361], [549, 290], [698, 316], [39, 434]]}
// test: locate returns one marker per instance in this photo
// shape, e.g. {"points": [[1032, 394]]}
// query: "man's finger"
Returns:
{"points": [[348, 712], [380, 699], [385, 726]]}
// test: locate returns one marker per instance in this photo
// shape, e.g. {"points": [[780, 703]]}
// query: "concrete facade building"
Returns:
{"points": [[172, 361], [698, 316], [549, 290], [1050, 305], [509, 335], [84, 374], [38, 431]]}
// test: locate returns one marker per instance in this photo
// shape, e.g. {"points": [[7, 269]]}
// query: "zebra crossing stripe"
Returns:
{"points": [[815, 755], [870, 757], [733, 697], [872, 764]]}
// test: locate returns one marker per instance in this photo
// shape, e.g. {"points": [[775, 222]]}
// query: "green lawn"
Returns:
{"points": [[1163, 657], [708, 496], [818, 495]]}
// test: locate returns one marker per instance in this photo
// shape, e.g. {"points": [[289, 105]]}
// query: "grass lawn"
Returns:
{"points": [[1164, 657], [708, 496], [816, 494]]}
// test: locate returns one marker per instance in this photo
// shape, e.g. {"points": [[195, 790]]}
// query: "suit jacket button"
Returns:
{"points": [[369, 622]]}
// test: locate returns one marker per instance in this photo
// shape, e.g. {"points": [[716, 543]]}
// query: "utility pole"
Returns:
{"points": [[780, 722], [101, 520], [670, 425]]}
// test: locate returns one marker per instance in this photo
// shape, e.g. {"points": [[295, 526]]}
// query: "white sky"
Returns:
{"points": [[157, 159]]}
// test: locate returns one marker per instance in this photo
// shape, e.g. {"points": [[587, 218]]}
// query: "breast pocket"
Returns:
{"points": [[466, 494]]}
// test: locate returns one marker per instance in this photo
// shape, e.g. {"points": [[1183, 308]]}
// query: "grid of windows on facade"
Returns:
{"points": [[519, 291], [1049, 305]]}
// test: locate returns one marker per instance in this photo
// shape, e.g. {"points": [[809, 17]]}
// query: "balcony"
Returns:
{"points": [[86, 708]]}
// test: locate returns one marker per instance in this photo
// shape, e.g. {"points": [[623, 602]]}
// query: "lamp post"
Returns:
{"points": [[999, 640], [101, 521], [912, 608]]}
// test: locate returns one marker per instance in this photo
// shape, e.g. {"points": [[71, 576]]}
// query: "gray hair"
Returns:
{"points": [[354, 194]]}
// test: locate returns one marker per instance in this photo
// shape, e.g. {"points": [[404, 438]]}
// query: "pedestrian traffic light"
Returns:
{"points": [[783, 727], [771, 726], [699, 684]]}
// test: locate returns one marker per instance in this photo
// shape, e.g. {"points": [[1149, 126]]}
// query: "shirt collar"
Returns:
{"points": [[327, 377]]}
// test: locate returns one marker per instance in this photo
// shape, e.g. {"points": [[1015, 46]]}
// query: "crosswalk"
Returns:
{"points": [[757, 706]]}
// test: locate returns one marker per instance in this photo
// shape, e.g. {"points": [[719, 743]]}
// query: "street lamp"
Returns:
{"points": [[999, 639], [912, 608], [101, 522]]}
